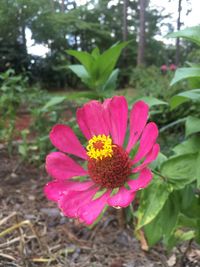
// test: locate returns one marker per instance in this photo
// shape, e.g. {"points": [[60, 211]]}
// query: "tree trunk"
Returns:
{"points": [[63, 6], [178, 28], [141, 43], [125, 29]]}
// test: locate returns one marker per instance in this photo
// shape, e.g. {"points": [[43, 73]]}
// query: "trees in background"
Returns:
{"points": [[142, 27], [62, 25]]}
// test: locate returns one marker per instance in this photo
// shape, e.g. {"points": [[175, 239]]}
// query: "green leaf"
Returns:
{"points": [[192, 145], [22, 150], [198, 170], [158, 162], [85, 58], [185, 221], [170, 210], [79, 70], [192, 34], [185, 73], [180, 170], [183, 97], [95, 53], [152, 101], [107, 61], [184, 236], [192, 125], [53, 101], [110, 84], [177, 100], [152, 201]]}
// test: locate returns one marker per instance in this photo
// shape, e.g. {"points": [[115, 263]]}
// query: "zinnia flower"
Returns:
{"points": [[172, 67], [113, 169]]}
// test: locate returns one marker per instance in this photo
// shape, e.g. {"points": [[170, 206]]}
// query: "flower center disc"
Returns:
{"points": [[110, 171]]}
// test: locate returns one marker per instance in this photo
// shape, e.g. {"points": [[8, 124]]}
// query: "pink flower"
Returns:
{"points": [[110, 174], [172, 67], [164, 68]]}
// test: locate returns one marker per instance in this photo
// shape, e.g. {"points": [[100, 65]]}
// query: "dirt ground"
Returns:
{"points": [[33, 232]]}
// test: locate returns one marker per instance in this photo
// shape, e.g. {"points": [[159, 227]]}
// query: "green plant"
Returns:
{"points": [[13, 95], [97, 71], [149, 81], [170, 208]]}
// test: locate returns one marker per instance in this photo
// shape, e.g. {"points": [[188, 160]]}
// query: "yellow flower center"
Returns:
{"points": [[99, 147]]}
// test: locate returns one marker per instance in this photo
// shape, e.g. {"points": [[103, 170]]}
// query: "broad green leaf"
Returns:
{"points": [[152, 235], [152, 101], [152, 201], [83, 57], [53, 101], [111, 82], [79, 70], [169, 214], [183, 97], [192, 145], [158, 162], [180, 170], [192, 34], [185, 73], [192, 125], [177, 100], [189, 201], [192, 64]]}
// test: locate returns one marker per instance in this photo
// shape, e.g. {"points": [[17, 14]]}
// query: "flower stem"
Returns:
{"points": [[160, 175], [121, 218]]}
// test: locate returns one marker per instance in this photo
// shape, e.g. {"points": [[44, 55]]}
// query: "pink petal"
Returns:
{"points": [[91, 120], [142, 181], [106, 112], [61, 167], [118, 110], [54, 190], [138, 120], [147, 141], [152, 155], [122, 198], [72, 202], [89, 213], [63, 138]]}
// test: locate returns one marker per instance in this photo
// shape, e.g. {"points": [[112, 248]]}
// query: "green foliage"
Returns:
{"points": [[178, 219], [97, 70], [180, 170], [152, 101], [12, 89], [185, 73], [152, 201], [150, 82], [192, 125], [192, 34], [183, 97], [191, 145]]}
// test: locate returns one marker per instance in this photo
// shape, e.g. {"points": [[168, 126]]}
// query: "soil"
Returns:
{"points": [[34, 233]]}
